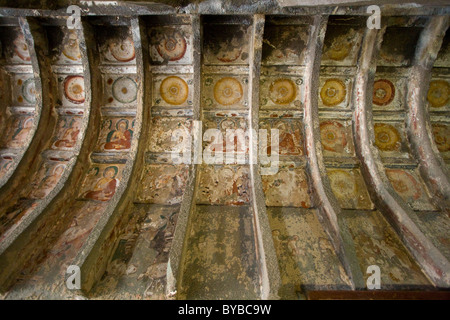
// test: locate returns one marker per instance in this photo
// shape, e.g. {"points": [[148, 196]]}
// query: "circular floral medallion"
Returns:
{"points": [[333, 136], [383, 92], [172, 47], [404, 184], [333, 92], [438, 93], [343, 184], [174, 90], [74, 89], [282, 91], [29, 91], [21, 48], [441, 134], [123, 51], [387, 137], [124, 90], [228, 91]]}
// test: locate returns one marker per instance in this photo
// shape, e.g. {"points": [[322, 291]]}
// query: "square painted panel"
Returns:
{"points": [[163, 131], [389, 93], [287, 188], [173, 90], [284, 44], [15, 47], [116, 45], [224, 185], [349, 189], [71, 90], [290, 136], [225, 92], [18, 132], [163, 184], [120, 90], [116, 134], [283, 92], [335, 92], [398, 46], [441, 135], [341, 45], [46, 179], [23, 90], [64, 44], [101, 182], [390, 139], [410, 188], [225, 44], [336, 138], [171, 45], [232, 134], [438, 94], [67, 133]]}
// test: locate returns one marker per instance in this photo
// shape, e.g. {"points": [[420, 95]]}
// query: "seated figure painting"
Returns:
{"points": [[120, 137], [104, 188], [19, 132], [68, 134]]}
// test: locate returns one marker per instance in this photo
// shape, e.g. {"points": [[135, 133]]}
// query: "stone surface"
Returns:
{"points": [[89, 171]]}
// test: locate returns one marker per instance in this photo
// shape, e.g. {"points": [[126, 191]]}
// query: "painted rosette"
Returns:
{"points": [[174, 90], [71, 49], [172, 47], [74, 89], [441, 133], [228, 91], [124, 90], [404, 184], [230, 56], [21, 48], [343, 184], [339, 50], [333, 136], [123, 51], [383, 92], [438, 93], [333, 92], [282, 91], [387, 137], [29, 91]]}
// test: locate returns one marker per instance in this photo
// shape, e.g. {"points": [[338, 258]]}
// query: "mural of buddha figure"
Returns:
{"points": [[21, 134], [46, 185], [69, 138], [105, 187], [119, 139]]}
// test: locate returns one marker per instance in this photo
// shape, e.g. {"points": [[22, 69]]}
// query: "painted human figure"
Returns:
{"points": [[119, 139], [70, 136], [5, 166], [46, 185], [21, 134], [105, 187]]}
